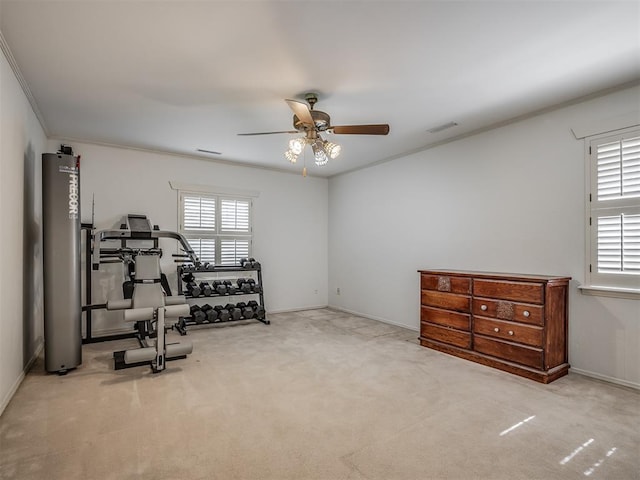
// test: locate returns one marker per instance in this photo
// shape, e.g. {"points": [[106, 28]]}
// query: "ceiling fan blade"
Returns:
{"points": [[267, 133], [301, 110], [382, 129]]}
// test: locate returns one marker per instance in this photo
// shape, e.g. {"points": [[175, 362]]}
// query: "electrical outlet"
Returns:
{"points": [[338, 291]]}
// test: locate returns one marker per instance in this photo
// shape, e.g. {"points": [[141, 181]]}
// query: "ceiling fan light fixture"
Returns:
{"points": [[296, 145], [317, 143], [321, 158], [319, 154], [332, 149], [291, 156]]}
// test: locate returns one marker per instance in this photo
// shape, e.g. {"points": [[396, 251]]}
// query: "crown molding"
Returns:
{"points": [[4, 46]]}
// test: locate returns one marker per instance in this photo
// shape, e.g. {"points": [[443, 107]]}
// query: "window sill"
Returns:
{"points": [[616, 292]]}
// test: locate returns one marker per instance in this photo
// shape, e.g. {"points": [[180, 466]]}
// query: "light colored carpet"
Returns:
{"points": [[317, 394]]}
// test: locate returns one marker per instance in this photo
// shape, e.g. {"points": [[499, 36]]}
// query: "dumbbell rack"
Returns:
{"points": [[211, 270]]}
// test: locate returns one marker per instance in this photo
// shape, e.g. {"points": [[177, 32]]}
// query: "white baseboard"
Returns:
{"points": [[606, 378], [297, 309], [14, 388], [372, 317]]}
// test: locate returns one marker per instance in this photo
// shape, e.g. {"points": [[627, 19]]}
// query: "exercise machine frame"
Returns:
{"points": [[154, 306]]}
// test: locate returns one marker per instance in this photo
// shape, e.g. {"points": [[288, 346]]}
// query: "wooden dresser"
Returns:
{"points": [[517, 323]]}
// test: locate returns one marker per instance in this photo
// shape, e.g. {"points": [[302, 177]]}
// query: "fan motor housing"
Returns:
{"points": [[321, 120]]}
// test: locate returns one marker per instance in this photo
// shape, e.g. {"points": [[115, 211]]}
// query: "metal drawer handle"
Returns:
{"points": [[483, 307], [496, 329], [526, 313], [510, 332]]}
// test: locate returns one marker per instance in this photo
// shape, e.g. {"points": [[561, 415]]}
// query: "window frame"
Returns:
{"points": [[217, 234], [619, 285]]}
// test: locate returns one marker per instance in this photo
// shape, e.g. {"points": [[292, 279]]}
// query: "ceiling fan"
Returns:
{"points": [[312, 123]]}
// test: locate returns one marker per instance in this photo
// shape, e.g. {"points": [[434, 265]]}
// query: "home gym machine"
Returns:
{"points": [[147, 298]]}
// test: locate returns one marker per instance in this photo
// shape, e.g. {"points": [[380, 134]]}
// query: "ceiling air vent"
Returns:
{"points": [[208, 151], [442, 127]]}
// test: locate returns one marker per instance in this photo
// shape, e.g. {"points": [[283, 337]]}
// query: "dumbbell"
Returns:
{"points": [[219, 287], [249, 263], [193, 289], [255, 264], [210, 312], [256, 287], [197, 314], [188, 278], [244, 285], [247, 312], [258, 310], [223, 313], [236, 313], [205, 288], [231, 288]]}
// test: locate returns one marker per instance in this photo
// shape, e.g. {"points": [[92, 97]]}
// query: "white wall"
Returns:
{"points": [[290, 217], [22, 142], [510, 199]]}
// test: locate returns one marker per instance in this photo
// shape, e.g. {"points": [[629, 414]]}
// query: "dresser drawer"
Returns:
{"points": [[516, 291], [445, 283], [513, 332], [445, 335], [450, 301], [529, 356], [506, 310], [447, 318]]}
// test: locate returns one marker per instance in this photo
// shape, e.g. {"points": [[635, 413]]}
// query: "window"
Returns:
{"points": [[218, 227], [614, 211]]}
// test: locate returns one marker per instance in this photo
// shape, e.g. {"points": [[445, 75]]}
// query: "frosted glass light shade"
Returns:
{"points": [[292, 157], [321, 158], [296, 145], [332, 149]]}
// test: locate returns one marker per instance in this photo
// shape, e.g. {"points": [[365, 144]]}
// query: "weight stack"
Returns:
{"points": [[61, 262]]}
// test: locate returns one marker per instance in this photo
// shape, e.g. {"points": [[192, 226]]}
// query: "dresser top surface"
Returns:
{"points": [[498, 275]]}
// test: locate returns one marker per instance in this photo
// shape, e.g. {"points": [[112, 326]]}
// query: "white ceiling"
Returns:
{"points": [[176, 76]]}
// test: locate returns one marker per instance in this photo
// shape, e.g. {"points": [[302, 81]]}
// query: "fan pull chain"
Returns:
{"points": [[304, 163]]}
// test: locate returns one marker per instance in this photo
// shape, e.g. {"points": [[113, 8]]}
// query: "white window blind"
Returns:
{"points": [[234, 215], [232, 250], [217, 228], [205, 248], [619, 244], [199, 213], [614, 210], [618, 166]]}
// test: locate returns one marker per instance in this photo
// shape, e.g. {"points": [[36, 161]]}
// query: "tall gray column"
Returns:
{"points": [[61, 256]]}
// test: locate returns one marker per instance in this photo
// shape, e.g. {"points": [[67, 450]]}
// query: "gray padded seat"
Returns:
{"points": [[148, 294]]}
